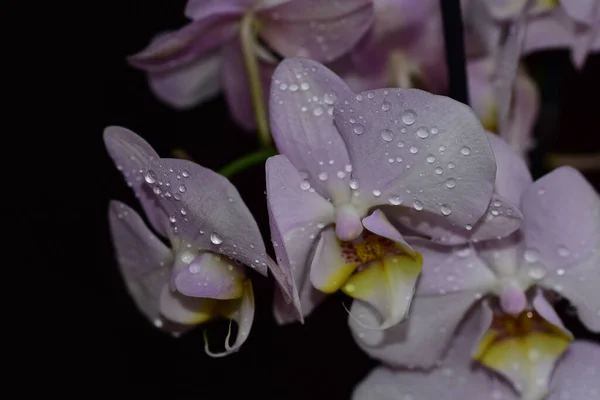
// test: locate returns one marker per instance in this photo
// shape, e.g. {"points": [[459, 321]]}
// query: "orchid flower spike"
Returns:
{"points": [[576, 376], [184, 65], [212, 234], [556, 250], [333, 186]]}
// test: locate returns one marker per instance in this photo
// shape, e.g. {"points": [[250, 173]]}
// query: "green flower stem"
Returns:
{"points": [[247, 161], [247, 41]]}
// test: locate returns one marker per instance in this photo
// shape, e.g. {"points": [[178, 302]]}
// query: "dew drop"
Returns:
{"points": [[418, 205], [185, 174], [395, 200], [370, 95], [304, 185], [409, 117], [318, 111], [359, 97], [414, 149], [329, 98], [359, 129], [348, 167], [385, 106], [183, 212], [156, 190], [341, 174], [423, 133], [563, 251], [400, 144], [431, 159], [376, 193], [150, 177], [451, 165], [531, 255], [182, 188], [387, 135], [293, 87], [283, 86], [353, 184], [560, 272], [434, 131], [442, 149], [304, 86], [495, 213], [469, 227], [352, 120], [172, 219], [177, 196], [450, 183], [439, 171], [216, 238], [465, 151], [445, 209], [323, 176]]}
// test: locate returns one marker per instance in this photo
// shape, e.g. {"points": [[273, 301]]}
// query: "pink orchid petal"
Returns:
{"points": [[190, 84], [315, 29], [303, 93], [577, 375], [143, 259], [295, 216], [424, 151]]}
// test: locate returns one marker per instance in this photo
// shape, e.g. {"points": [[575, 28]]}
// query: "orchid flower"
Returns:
{"points": [[404, 48], [223, 38], [524, 109], [576, 376], [212, 234], [333, 184], [551, 24], [556, 250]]}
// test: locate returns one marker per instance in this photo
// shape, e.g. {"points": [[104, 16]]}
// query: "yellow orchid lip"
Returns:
{"points": [[524, 348]]}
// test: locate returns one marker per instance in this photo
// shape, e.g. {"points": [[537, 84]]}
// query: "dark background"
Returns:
{"points": [[318, 360]]}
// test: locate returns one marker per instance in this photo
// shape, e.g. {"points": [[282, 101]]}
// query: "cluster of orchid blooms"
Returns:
{"points": [[403, 199]]}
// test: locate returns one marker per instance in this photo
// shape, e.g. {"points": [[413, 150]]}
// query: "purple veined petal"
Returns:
{"points": [[315, 29], [187, 44], [303, 93], [131, 154], [296, 216], [189, 84], [379, 225], [584, 11], [577, 375], [452, 280], [237, 86], [420, 150], [457, 378], [242, 312], [184, 310], [206, 212], [202, 9], [212, 276], [562, 235], [143, 259]]}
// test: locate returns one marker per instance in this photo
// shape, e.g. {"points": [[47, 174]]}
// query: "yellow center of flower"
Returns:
{"points": [[524, 348]]}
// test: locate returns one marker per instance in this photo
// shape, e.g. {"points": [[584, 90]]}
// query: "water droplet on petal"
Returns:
{"points": [[304, 185], [293, 87], [531, 255], [445, 209], [409, 117], [434, 131], [400, 144], [469, 227], [283, 86], [182, 211], [423, 133], [560, 271], [323, 176], [431, 159], [318, 111], [563, 251], [341, 174], [395, 200], [370, 95], [385, 106], [414, 149], [450, 183], [185, 174], [465, 151], [418, 205], [216, 238], [156, 190], [182, 188], [376, 193], [329, 98], [359, 129], [359, 97], [150, 177], [353, 184], [304, 86], [387, 135], [172, 219], [439, 171]]}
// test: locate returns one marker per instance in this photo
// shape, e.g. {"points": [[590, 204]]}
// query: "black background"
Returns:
{"points": [[317, 360]]}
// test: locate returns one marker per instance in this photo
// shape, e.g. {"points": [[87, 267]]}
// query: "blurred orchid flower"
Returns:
{"points": [[334, 183], [212, 234], [550, 23], [404, 48], [557, 250], [518, 131], [576, 375], [184, 66]]}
